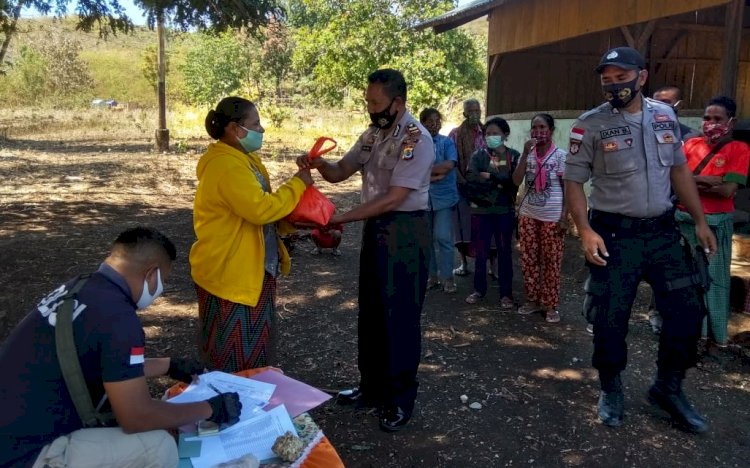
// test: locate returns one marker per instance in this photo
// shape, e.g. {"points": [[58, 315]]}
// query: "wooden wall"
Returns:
{"points": [[684, 50], [530, 23]]}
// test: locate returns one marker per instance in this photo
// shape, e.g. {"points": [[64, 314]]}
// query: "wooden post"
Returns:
{"points": [[730, 60], [162, 132]]}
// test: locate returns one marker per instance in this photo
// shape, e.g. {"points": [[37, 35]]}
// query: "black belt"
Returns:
{"points": [[614, 220]]}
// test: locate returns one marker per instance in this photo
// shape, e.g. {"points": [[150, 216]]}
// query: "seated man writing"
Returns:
{"points": [[42, 417]]}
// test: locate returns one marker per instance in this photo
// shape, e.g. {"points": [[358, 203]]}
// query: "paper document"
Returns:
{"points": [[253, 436], [253, 394], [297, 396]]}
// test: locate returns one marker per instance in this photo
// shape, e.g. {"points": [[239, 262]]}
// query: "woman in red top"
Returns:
{"points": [[720, 167]]}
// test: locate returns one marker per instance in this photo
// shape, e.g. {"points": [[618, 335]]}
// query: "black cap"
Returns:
{"points": [[626, 58]]}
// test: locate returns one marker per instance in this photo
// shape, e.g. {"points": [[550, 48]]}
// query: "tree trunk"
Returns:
{"points": [[162, 132], [10, 31]]}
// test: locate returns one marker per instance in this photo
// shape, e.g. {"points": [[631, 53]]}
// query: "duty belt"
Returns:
{"points": [[618, 221]]}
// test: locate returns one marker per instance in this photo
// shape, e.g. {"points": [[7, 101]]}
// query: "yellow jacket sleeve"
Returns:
{"points": [[242, 191]]}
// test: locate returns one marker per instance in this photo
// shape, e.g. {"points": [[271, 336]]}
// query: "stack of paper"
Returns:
{"points": [[269, 400]]}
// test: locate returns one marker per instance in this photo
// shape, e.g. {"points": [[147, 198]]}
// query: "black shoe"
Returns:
{"points": [[349, 396], [612, 408], [667, 394], [393, 419]]}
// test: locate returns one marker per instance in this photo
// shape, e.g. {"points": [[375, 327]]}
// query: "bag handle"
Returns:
{"points": [[699, 168], [319, 150]]}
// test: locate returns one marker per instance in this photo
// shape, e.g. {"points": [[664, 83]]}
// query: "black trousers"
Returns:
{"points": [[393, 272], [650, 250]]}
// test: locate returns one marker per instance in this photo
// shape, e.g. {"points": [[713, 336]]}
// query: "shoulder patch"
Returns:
{"points": [[576, 133], [575, 146], [413, 130]]}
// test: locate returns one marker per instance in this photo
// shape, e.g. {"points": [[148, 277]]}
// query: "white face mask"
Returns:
{"points": [[146, 297]]}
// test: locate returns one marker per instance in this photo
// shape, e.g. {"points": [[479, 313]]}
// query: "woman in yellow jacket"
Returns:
{"points": [[238, 254]]}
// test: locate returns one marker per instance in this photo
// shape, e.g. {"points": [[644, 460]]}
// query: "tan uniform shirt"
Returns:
{"points": [[399, 157]]}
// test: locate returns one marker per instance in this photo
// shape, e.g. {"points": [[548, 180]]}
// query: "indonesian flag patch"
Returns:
{"points": [[136, 356], [577, 133]]}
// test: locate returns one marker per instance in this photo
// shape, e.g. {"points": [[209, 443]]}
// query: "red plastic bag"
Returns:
{"points": [[314, 207]]}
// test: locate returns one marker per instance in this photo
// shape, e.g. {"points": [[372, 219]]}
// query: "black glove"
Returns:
{"points": [[226, 408], [184, 369]]}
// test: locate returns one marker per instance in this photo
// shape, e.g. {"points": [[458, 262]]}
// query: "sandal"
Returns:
{"points": [[553, 316], [528, 308], [433, 283], [449, 287], [462, 270], [506, 303], [473, 298]]}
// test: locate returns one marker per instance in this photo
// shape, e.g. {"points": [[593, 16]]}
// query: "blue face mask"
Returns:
{"points": [[252, 141], [494, 141]]}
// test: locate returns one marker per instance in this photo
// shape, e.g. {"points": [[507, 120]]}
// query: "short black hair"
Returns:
{"points": [[229, 109], [141, 237], [547, 118], [427, 113], [499, 122], [673, 88], [392, 80], [726, 102]]}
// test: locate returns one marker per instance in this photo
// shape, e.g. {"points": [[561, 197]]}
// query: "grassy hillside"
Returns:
{"points": [[114, 61]]}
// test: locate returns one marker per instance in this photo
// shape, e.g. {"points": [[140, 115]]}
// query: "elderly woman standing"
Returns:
{"points": [[238, 255], [542, 218], [492, 194]]}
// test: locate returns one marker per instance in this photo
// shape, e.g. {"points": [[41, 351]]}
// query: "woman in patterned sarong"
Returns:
{"points": [[238, 254]]}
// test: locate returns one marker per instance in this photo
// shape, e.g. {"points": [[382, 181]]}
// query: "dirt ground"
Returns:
{"points": [[64, 198]]}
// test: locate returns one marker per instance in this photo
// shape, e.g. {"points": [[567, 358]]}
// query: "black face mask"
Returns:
{"points": [[384, 119], [620, 94]]}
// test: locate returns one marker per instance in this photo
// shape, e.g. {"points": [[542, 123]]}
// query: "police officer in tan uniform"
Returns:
{"points": [[630, 149], [395, 155]]}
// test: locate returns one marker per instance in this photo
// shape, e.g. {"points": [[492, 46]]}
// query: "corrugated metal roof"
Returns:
{"points": [[459, 16]]}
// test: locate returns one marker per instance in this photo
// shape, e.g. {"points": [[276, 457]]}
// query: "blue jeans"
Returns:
{"points": [[499, 226], [441, 263]]}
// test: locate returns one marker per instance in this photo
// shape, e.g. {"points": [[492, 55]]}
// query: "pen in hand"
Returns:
{"points": [[211, 386]]}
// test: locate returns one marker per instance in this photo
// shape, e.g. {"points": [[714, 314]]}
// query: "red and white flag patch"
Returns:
{"points": [[136, 356], [577, 133]]}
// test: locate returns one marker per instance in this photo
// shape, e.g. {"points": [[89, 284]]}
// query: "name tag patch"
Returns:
{"points": [[613, 132], [658, 126]]}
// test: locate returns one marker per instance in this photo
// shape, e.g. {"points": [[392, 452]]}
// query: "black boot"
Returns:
{"points": [[611, 400], [667, 394]]}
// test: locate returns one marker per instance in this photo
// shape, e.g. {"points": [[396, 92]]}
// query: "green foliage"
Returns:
{"points": [[215, 67], [276, 54], [339, 42], [53, 71], [27, 77], [276, 114], [212, 14], [67, 74], [149, 65]]}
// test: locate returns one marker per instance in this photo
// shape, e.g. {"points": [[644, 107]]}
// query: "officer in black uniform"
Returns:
{"points": [[630, 149]]}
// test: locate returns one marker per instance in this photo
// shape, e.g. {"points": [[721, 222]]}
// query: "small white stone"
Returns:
{"points": [[464, 399], [476, 405]]}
